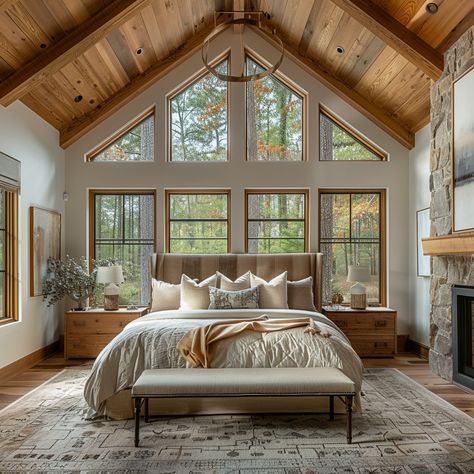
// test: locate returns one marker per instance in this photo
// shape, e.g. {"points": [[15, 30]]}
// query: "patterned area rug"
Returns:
{"points": [[404, 429]]}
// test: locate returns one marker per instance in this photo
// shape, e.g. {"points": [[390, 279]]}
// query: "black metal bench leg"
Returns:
{"points": [[147, 412], [349, 417], [331, 407], [138, 402]]}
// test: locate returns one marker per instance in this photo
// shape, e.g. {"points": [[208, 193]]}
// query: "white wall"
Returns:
{"points": [[28, 138], [238, 174], [419, 287]]}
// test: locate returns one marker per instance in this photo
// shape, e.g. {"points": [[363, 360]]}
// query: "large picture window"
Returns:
{"points": [[135, 142], [352, 232], [340, 142], [198, 222], [277, 221], [8, 255], [198, 119], [275, 118], [122, 227]]}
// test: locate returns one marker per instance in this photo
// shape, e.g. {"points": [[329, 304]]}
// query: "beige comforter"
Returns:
{"points": [[151, 342]]}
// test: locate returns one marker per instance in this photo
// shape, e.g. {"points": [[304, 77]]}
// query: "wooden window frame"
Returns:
{"points": [[92, 230], [11, 302], [253, 191], [296, 90], [383, 270], [91, 155], [225, 56], [170, 192], [355, 134]]}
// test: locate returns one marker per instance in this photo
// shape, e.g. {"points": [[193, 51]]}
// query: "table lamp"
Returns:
{"points": [[359, 275], [111, 277]]}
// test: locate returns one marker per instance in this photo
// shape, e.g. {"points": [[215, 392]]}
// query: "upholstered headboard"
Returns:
{"points": [[169, 267]]}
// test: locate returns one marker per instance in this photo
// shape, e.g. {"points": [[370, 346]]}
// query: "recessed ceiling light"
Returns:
{"points": [[340, 50], [432, 8], [78, 98], [139, 50]]}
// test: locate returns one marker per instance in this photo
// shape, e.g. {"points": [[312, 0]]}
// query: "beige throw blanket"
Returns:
{"points": [[197, 345]]}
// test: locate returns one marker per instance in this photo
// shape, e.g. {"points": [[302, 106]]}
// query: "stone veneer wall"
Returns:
{"points": [[446, 271]]}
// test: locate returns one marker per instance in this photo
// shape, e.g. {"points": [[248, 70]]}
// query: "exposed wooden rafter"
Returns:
{"points": [[68, 49], [133, 89], [394, 34], [350, 95]]}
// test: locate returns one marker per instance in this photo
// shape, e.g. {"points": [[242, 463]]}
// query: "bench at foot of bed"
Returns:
{"points": [[277, 382]]}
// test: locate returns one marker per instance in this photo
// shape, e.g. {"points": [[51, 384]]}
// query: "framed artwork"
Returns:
{"points": [[45, 242], [422, 230], [463, 151]]}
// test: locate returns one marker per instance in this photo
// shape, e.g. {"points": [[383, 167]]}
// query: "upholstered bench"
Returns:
{"points": [[277, 382]]}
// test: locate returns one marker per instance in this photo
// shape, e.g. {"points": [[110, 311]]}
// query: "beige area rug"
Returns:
{"points": [[403, 429]]}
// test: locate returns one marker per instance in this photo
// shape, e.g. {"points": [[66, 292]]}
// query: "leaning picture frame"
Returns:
{"points": [[422, 230], [463, 151], [45, 242]]}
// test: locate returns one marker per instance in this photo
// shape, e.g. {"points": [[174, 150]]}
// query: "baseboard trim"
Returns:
{"points": [[418, 348], [28, 361]]}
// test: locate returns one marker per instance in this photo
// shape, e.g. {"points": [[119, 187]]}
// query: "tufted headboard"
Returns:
{"points": [[169, 267]]}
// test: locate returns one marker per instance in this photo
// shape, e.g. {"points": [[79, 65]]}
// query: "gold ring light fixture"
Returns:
{"points": [[247, 19]]}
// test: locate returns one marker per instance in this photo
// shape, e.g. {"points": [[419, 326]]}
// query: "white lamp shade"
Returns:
{"points": [[112, 274], [358, 273]]}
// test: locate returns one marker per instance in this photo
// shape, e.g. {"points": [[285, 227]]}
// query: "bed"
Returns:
{"points": [[150, 341]]}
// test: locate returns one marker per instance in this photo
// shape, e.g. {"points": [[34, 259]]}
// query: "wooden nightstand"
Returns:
{"points": [[86, 333], [372, 331]]}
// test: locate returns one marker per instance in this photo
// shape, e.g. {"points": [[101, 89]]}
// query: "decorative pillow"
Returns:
{"points": [[195, 295], [242, 299], [164, 295], [300, 294], [273, 294], [242, 283]]}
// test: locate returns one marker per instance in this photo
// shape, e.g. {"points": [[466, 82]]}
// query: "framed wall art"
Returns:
{"points": [[463, 151], [45, 242], [422, 230]]}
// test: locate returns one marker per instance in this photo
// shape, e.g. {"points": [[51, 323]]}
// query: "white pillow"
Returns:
{"points": [[195, 295], [242, 283], [164, 295], [273, 294]]}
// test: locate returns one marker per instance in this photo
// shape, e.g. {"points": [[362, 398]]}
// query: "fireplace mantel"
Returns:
{"points": [[453, 244]]}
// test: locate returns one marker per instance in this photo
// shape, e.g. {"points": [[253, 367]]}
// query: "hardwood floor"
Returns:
{"points": [[411, 365]]}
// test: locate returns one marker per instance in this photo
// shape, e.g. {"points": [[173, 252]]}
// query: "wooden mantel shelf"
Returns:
{"points": [[454, 244]]}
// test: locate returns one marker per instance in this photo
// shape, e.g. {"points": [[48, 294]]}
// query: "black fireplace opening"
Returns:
{"points": [[463, 335]]}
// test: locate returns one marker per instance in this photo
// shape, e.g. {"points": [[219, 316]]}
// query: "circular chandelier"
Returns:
{"points": [[244, 22]]}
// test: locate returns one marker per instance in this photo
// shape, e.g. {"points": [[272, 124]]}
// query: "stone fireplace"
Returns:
{"points": [[447, 271]]}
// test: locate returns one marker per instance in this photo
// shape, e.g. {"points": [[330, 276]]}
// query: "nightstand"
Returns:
{"points": [[372, 331], [86, 333]]}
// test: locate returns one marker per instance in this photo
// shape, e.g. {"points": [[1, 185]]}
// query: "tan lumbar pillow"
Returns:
{"points": [[300, 294], [225, 283], [195, 295], [164, 296], [273, 294]]}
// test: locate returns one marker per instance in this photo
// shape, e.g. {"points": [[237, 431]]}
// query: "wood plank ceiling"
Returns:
{"points": [[54, 51]]}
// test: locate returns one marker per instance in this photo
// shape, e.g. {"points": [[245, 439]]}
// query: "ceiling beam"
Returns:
{"points": [[350, 95], [68, 49], [138, 85], [457, 32], [395, 35]]}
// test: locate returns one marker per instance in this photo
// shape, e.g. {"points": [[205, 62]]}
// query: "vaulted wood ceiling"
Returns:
{"points": [[52, 51]]}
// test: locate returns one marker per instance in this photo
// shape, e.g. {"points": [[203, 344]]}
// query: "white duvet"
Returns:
{"points": [[150, 343]]}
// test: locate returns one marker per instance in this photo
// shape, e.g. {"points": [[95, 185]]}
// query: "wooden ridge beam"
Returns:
{"points": [[139, 84], [68, 49], [395, 35], [350, 95]]}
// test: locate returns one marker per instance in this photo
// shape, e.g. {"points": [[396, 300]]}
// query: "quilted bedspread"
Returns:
{"points": [[150, 343]]}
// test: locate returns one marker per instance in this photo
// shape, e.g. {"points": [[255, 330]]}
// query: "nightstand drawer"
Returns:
{"points": [[97, 323], [86, 347], [369, 323], [367, 346]]}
